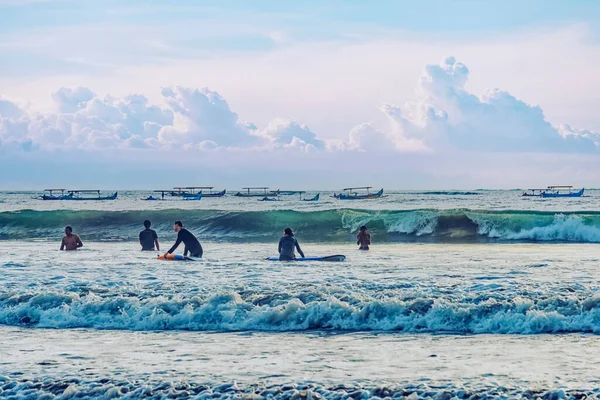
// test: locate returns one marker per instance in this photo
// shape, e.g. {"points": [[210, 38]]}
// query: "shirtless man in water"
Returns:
{"points": [[70, 241]]}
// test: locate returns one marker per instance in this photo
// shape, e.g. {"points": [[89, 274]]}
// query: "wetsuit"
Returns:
{"points": [[147, 238], [191, 244], [286, 248]]}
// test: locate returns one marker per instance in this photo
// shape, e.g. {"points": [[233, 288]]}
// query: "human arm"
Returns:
{"points": [[141, 243], [177, 243], [358, 239], [299, 249], [185, 251], [156, 242], [279, 248], [368, 238], [78, 241], [62, 244]]}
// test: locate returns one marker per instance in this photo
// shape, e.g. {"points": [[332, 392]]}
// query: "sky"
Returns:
{"points": [[323, 95]]}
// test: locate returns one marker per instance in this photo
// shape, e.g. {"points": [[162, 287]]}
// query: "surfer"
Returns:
{"points": [[149, 238], [286, 246], [70, 241], [189, 240], [363, 239]]}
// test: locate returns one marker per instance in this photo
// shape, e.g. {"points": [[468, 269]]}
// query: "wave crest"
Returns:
{"points": [[313, 226]]}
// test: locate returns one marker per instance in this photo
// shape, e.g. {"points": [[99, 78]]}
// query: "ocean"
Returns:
{"points": [[464, 294]]}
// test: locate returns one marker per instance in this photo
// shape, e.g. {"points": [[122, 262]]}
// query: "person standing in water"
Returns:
{"points": [[189, 240], [149, 238], [286, 246], [70, 241], [363, 239]]}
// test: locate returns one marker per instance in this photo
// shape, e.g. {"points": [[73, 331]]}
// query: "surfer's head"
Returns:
{"points": [[177, 226], [288, 232], [147, 224], [363, 228], [68, 231]]}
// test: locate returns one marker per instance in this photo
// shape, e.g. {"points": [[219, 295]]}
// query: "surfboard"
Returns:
{"points": [[177, 257], [337, 257]]}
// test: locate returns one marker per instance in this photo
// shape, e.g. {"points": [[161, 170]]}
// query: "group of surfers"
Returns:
{"points": [[149, 241]]}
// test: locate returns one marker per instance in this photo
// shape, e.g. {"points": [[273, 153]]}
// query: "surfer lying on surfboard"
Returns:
{"points": [[286, 246]]}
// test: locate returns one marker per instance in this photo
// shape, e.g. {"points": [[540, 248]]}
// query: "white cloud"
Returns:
{"points": [[286, 132], [443, 116], [202, 115], [443, 113]]}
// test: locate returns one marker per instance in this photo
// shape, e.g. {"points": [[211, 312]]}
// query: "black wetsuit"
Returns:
{"points": [[147, 238], [286, 248], [191, 243]]}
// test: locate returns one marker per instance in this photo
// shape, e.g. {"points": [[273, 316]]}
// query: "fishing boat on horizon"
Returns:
{"points": [[201, 189], [553, 192], [259, 191], [562, 191], [77, 195], [352, 194]]}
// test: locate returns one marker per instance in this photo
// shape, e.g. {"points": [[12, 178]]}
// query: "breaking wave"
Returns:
{"points": [[313, 226], [318, 309]]}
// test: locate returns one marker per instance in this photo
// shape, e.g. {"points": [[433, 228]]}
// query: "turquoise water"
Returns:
{"points": [[461, 295]]}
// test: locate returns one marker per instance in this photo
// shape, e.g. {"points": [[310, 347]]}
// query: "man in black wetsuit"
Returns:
{"points": [[189, 240], [149, 238]]}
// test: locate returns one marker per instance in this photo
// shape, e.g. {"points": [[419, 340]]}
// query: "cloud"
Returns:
{"points": [[443, 116], [285, 132], [443, 113], [202, 115], [71, 100]]}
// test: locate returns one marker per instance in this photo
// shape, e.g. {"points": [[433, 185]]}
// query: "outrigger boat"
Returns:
{"points": [[248, 192], [351, 194], [202, 189], [553, 191], [269, 199], [77, 195]]}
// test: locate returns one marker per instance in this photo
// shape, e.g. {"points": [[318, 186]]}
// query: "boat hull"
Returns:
{"points": [[316, 198], [113, 197], [239, 194], [369, 196], [556, 195], [218, 194]]}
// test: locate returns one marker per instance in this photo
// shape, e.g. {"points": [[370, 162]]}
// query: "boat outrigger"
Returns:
{"points": [[260, 191], [533, 192], [76, 195], [80, 195], [51, 196], [201, 189], [286, 192], [351, 194], [554, 191]]}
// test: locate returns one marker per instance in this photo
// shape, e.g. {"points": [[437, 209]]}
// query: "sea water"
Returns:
{"points": [[464, 294]]}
